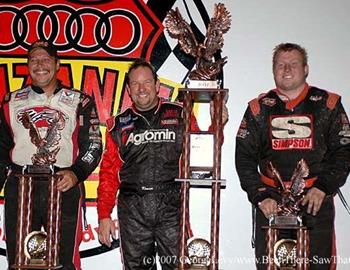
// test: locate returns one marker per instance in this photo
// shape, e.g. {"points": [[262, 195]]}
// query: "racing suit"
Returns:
{"points": [[315, 127], [141, 160], [73, 143]]}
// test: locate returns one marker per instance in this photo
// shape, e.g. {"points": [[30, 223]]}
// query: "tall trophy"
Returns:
{"points": [[286, 253], [39, 249], [201, 152]]}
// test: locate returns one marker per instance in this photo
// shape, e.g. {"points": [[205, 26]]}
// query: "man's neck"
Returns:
{"points": [[292, 94]]}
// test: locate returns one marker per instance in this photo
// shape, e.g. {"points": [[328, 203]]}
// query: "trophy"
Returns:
{"points": [[39, 249], [286, 254], [201, 152]]}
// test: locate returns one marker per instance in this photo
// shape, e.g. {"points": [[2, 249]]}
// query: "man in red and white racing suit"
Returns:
{"points": [[141, 161], [47, 123], [292, 122]]}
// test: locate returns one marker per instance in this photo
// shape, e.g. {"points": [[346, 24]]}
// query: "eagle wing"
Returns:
{"points": [[297, 180], [219, 24], [178, 28]]}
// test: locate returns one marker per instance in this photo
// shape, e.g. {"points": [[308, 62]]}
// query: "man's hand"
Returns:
{"points": [[313, 198], [224, 112], [268, 207], [67, 181], [106, 229]]}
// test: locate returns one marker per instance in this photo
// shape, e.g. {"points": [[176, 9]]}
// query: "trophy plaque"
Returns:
{"points": [[39, 249], [285, 253]]}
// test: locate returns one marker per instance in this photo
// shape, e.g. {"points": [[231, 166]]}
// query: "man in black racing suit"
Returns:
{"points": [[141, 160], [292, 122], [47, 123]]}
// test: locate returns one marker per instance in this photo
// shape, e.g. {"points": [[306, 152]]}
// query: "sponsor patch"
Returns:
{"points": [[127, 127], [345, 133], [169, 122], [268, 101], [315, 98], [292, 132], [344, 119], [170, 114], [242, 133], [67, 97], [22, 94], [125, 119], [152, 136], [85, 101]]}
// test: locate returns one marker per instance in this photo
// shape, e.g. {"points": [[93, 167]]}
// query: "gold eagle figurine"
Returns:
{"points": [[220, 23]]}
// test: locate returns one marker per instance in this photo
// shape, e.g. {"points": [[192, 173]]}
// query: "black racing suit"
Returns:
{"points": [[74, 143], [314, 127], [141, 160]]}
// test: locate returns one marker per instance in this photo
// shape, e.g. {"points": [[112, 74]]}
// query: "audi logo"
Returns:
{"points": [[70, 23]]}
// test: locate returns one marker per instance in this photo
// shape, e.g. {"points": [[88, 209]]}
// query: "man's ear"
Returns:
{"points": [[58, 64], [306, 70], [158, 86], [128, 89]]}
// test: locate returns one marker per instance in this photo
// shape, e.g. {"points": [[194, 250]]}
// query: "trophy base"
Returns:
{"points": [[198, 267], [36, 265]]}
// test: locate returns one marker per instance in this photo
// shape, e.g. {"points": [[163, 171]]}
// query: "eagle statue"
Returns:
{"points": [[206, 67]]}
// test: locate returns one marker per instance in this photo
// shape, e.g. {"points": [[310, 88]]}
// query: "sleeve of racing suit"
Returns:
{"points": [[6, 144], [108, 178], [336, 164], [246, 159], [89, 139]]}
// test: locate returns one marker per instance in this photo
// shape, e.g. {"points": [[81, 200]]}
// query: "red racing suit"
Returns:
{"points": [[314, 127], [141, 160], [65, 129]]}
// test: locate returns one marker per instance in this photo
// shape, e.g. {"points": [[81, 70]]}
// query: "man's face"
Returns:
{"points": [[143, 89], [43, 69], [289, 71]]}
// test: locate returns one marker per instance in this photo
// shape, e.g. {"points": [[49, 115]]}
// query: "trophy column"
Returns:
{"points": [[287, 254], [37, 249], [188, 167]]}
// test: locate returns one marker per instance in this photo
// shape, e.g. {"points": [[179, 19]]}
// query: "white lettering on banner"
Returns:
{"points": [[160, 135], [292, 132]]}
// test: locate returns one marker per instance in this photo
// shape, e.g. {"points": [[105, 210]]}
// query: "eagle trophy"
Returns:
{"points": [[293, 194], [206, 67]]}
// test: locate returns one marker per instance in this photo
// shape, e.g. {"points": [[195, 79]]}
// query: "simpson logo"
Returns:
{"points": [[152, 136], [292, 132]]}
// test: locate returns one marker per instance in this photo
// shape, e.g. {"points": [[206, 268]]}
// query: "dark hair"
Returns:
{"points": [[287, 47], [43, 44], [141, 63]]}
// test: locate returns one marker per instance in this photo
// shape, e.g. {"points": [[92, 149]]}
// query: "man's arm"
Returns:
{"points": [[6, 144], [107, 189], [89, 140], [336, 164], [246, 158]]}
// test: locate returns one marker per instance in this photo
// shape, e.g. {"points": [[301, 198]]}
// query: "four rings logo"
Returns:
{"points": [[120, 28]]}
